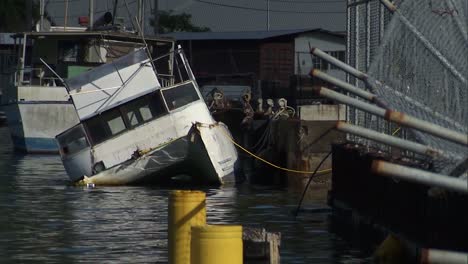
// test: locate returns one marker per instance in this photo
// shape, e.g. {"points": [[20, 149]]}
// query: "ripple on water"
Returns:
{"points": [[44, 219]]}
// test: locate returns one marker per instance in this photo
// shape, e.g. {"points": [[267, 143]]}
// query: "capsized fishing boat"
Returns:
{"points": [[139, 124]]}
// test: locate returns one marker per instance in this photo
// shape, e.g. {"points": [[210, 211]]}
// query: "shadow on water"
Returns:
{"points": [[44, 219]]}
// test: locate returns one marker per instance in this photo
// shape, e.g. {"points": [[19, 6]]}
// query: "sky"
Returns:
{"points": [[223, 15]]}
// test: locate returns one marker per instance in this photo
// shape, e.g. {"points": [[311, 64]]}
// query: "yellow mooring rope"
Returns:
{"points": [[271, 164], [396, 131]]}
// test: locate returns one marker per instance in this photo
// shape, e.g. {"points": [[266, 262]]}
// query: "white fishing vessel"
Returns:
{"points": [[35, 101], [139, 124]]}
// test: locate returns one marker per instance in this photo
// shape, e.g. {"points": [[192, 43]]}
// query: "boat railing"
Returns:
{"points": [[35, 76], [172, 68]]}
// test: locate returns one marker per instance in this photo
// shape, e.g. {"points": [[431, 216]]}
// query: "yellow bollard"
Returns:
{"points": [[186, 209], [215, 244]]}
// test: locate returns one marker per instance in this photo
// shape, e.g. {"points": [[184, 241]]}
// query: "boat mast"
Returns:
{"points": [[41, 11], [91, 15], [28, 8], [23, 60], [140, 16], [66, 16], [156, 17], [116, 2]]}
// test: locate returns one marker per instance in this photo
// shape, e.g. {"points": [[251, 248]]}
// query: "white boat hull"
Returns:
{"points": [[36, 115], [34, 125], [204, 156]]}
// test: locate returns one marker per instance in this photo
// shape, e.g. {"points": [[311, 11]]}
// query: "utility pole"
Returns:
{"points": [[41, 12], [28, 9], [66, 16], [91, 15], [268, 15], [140, 16], [156, 17], [114, 14]]}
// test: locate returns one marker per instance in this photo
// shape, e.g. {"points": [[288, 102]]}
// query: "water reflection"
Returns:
{"points": [[44, 219]]}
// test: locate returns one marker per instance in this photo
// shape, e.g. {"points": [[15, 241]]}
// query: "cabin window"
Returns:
{"points": [[132, 117], [96, 129], [180, 95], [105, 126], [72, 141], [116, 124], [146, 113], [132, 114], [143, 109]]}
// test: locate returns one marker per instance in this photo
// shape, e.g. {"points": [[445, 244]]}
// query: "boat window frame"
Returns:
{"points": [[195, 87], [64, 133], [123, 109], [105, 126]]}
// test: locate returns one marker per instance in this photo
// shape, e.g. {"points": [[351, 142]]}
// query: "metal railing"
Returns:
{"points": [[178, 70], [31, 76]]}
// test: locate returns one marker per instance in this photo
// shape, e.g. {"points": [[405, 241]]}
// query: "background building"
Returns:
{"points": [[275, 62]]}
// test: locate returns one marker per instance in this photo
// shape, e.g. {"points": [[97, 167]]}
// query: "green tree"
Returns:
{"points": [[13, 15], [170, 22]]}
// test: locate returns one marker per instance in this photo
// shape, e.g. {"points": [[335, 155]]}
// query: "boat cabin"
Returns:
{"points": [[127, 116], [145, 109]]}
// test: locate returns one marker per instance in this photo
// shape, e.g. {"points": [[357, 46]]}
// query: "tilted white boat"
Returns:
{"points": [[138, 125]]}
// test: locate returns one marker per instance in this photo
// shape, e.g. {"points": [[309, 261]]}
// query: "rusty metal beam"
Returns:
{"points": [[332, 60], [389, 5], [344, 85], [389, 140], [436, 256], [419, 176], [395, 116]]}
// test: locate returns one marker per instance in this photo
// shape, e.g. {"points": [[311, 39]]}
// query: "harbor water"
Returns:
{"points": [[43, 219]]}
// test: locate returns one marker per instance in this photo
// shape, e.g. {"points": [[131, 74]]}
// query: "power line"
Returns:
{"points": [[122, 5], [308, 2], [270, 10], [61, 1]]}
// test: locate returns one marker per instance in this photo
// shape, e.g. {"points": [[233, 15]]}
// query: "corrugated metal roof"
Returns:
{"points": [[6, 39], [231, 35]]}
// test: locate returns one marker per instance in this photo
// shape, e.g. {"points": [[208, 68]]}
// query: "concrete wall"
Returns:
{"points": [[42, 93], [299, 145], [322, 112]]}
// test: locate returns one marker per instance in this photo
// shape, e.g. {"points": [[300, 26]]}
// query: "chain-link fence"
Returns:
{"points": [[417, 58]]}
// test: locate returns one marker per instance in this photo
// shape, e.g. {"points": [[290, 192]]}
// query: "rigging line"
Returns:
{"points": [[106, 103], [310, 180], [148, 52], [102, 60], [129, 14], [270, 10], [124, 83], [269, 163]]}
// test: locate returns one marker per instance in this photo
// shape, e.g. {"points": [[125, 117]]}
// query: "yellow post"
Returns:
{"points": [[215, 244], [186, 209]]}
